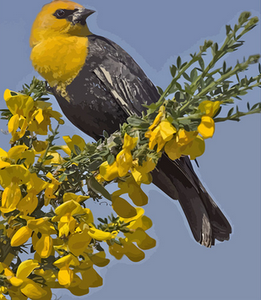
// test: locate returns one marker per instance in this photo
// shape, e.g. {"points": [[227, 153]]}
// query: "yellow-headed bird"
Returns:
{"points": [[98, 85]]}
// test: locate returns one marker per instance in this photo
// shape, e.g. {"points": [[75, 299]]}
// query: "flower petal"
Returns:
{"points": [[78, 242], [207, 127], [109, 172], [99, 234], [32, 290], [44, 246], [122, 207], [21, 236], [172, 148], [195, 148], [25, 268], [65, 276]]}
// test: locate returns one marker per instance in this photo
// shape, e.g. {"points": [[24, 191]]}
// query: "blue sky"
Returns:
{"points": [[155, 33]]}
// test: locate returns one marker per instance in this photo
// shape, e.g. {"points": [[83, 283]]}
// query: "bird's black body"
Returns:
{"points": [[109, 88]]}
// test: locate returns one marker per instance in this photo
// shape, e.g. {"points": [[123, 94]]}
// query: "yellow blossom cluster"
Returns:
{"points": [[135, 174], [28, 114], [69, 238], [138, 225], [181, 142], [64, 242]]}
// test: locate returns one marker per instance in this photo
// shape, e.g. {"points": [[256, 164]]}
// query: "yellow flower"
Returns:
{"points": [[124, 157], [172, 149], [138, 221], [11, 178], [55, 160], [109, 172], [51, 189], [40, 146], [29, 203], [21, 284], [41, 117], [20, 152], [209, 108], [18, 103], [186, 143], [15, 153], [71, 142], [65, 274], [123, 162], [89, 278], [21, 236], [72, 196], [64, 216], [127, 248], [99, 234], [20, 106], [134, 191], [138, 225], [43, 244], [184, 137], [141, 174], [122, 207], [79, 240], [207, 127], [160, 131]]}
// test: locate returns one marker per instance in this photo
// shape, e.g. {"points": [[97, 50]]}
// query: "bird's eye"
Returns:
{"points": [[60, 13]]}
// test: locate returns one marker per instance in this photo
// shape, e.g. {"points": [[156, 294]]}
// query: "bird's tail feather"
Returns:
{"points": [[179, 181]]}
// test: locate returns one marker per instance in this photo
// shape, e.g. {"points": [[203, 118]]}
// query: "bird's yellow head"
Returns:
{"points": [[60, 18]]}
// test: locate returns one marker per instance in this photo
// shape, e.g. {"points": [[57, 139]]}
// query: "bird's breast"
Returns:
{"points": [[60, 59]]}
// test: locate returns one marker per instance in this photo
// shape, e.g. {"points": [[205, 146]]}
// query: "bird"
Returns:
{"points": [[98, 85]]}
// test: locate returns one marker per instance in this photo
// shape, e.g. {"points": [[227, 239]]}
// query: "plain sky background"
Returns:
{"points": [[155, 33]]}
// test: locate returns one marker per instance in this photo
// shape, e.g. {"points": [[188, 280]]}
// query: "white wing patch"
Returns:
{"points": [[105, 77]]}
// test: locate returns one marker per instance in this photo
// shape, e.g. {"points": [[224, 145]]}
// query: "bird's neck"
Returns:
{"points": [[60, 59]]}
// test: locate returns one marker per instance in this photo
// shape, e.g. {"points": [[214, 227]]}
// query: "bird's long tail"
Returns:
{"points": [[179, 181]]}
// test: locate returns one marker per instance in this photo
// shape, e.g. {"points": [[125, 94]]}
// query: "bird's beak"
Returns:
{"points": [[81, 14]]}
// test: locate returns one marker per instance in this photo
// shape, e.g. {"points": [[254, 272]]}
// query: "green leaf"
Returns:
{"points": [[95, 165], [103, 221], [110, 159], [136, 121], [77, 150], [49, 157], [183, 65], [20, 161], [62, 177], [214, 49], [228, 29], [180, 97], [105, 134], [160, 90], [117, 140], [173, 70], [98, 188], [201, 63], [185, 75], [104, 152], [193, 74], [178, 62], [230, 112]]}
